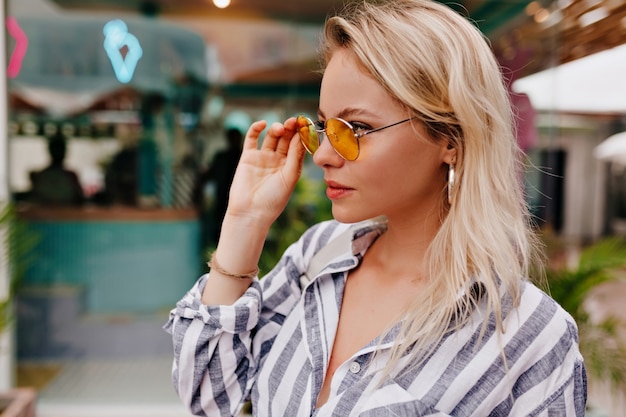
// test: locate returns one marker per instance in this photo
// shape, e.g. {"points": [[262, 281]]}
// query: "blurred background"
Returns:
{"points": [[120, 126]]}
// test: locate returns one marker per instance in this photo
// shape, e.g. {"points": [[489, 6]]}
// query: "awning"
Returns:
{"points": [[595, 84], [66, 68]]}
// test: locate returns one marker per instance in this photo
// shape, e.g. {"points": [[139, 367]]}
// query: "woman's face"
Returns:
{"points": [[399, 171]]}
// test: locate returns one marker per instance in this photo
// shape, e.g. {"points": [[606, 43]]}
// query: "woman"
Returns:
{"points": [[427, 313]]}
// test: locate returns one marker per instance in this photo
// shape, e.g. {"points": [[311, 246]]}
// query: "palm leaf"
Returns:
{"points": [[604, 353], [609, 253], [17, 242], [600, 343]]}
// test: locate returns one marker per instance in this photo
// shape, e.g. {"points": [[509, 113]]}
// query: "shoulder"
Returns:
{"points": [[538, 321], [543, 311], [71, 174], [542, 352], [541, 336]]}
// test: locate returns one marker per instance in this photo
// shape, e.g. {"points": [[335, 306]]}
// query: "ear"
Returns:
{"points": [[449, 154]]}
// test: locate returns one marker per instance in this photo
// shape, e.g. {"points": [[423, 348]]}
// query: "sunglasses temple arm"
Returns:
{"points": [[385, 127]]}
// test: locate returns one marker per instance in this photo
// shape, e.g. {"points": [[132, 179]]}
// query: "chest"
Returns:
{"points": [[368, 311], [319, 347]]}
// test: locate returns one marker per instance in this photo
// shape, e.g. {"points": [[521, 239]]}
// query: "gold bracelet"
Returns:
{"points": [[214, 265]]}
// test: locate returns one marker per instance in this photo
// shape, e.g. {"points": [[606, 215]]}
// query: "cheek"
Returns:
{"points": [[414, 173]]}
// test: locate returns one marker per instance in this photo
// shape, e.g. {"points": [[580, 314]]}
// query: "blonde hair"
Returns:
{"points": [[440, 67]]}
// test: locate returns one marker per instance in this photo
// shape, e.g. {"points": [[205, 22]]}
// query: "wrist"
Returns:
{"points": [[244, 276], [251, 226], [240, 245]]}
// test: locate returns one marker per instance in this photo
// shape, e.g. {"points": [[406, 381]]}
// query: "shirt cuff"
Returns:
{"points": [[241, 316]]}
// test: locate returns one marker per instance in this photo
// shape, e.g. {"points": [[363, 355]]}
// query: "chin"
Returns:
{"points": [[344, 216]]}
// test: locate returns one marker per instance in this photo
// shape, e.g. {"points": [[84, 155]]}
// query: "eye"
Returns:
{"points": [[319, 124], [359, 127]]}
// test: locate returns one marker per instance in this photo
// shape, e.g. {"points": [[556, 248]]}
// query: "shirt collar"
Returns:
{"points": [[365, 233]]}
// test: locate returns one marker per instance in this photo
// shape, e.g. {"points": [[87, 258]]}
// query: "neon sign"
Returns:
{"points": [[21, 46], [116, 37]]}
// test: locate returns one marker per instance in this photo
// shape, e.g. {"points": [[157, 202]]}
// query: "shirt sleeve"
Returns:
{"points": [[571, 400], [212, 359], [218, 349], [557, 377]]}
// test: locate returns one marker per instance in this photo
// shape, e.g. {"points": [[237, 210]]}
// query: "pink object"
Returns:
{"points": [[21, 46]]}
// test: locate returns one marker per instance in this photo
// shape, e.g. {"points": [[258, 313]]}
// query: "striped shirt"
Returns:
{"points": [[273, 345]]}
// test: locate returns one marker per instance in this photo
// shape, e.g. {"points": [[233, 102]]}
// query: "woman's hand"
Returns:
{"points": [[263, 183], [266, 176]]}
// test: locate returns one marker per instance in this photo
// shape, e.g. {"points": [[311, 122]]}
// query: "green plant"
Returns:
{"points": [[16, 251], [602, 347], [308, 205]]}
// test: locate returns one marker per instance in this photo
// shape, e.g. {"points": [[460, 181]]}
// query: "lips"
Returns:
{"points": [[336, 190]]}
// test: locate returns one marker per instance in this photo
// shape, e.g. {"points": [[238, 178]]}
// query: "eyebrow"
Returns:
{"points": [[347, 112]]}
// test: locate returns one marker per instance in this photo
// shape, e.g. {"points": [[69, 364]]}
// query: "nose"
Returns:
{"points": [[326, 155]]}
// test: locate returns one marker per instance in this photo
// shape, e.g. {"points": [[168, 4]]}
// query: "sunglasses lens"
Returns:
{"points": [[342, 137], [308, 136]]}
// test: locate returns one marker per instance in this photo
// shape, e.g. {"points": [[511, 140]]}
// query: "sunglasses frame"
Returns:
{"points": [[321, 126]]}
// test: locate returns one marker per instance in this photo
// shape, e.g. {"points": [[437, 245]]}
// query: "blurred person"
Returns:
{"points": [[428, 309], [121, 174], [220, 172], [56, 185]]}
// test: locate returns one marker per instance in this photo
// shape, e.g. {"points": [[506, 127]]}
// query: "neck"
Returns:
{"points": [[400, 252]]}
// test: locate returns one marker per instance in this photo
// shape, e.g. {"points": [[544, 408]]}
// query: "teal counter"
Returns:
{"points": [[121, 260]]}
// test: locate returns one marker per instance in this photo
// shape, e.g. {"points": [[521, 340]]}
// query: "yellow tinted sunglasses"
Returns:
{"points": [[343, 137]]}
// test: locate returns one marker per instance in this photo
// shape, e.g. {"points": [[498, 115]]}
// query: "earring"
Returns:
{"points": [[450, 182]]}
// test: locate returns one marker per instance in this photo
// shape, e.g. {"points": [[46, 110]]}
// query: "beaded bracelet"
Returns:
{"points": [[214, 265]]}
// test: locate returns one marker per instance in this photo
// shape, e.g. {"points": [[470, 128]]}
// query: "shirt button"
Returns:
{"points": [[355, 367]]}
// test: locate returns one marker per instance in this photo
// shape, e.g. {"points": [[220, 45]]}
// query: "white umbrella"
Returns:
{"points": [[612, 149]]}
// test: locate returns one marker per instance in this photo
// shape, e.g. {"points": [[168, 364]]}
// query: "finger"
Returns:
{"points": [[295, 144], [295, 156], [252, 136], [290, 123], [287, 137], [283, 144], [275, 131]]}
